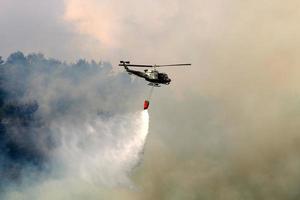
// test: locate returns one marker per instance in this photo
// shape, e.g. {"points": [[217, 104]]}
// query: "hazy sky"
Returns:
{"points": [[226, 128], [226, 41]]}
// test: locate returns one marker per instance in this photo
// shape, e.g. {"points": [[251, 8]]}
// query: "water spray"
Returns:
{"points": [[103, 152]]}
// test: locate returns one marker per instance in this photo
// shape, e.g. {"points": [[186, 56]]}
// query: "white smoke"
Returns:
{"points": [[93, 154]]}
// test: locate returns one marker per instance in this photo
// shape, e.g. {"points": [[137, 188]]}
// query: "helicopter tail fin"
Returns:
{"points": [[124, 64]]}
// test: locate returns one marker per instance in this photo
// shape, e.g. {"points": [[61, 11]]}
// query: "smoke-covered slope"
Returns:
{"points": [[64, 122]]}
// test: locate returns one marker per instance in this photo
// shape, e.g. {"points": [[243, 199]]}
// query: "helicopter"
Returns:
{"points": [[153, 76]]}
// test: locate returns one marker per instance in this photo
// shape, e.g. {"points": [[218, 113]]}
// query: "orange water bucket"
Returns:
{"points": [[146, 104]]}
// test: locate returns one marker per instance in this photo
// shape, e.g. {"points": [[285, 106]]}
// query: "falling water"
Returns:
{"points": [[102, 151]]}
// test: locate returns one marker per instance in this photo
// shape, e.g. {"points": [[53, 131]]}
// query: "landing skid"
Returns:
{"points": [[154, 84]]}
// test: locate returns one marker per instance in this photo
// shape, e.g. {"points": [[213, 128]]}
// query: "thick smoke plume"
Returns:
{"points": [[66, 124]]}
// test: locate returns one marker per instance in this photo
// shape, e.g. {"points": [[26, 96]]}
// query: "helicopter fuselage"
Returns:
{"points": [[153, 76]]}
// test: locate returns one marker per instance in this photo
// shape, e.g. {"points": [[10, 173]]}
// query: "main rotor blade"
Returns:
{"points": [[186, 64], [169, 65], [139, 65]]}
